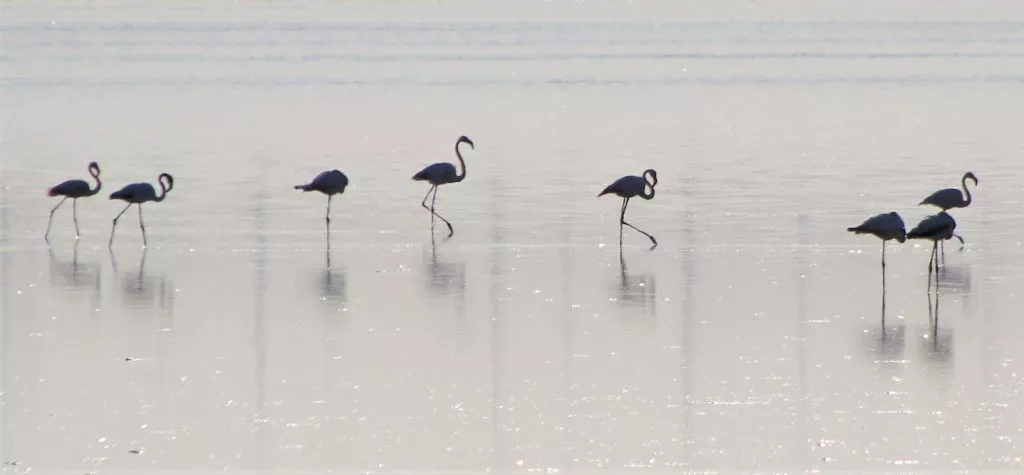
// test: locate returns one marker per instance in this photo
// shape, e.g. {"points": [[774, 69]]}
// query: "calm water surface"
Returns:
{"points": [[755, 337]]}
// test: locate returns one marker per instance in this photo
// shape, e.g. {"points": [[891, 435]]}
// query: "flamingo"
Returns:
{"points": [[330, 183], [438, 174], [937, 227], [885, 226], [627, 187], [136, 194], [73, 189], [951, 198]]}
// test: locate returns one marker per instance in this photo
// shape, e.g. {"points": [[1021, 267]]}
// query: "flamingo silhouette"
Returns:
{"points": [[937, 227], [136, 194], [330, 183], [628, 187], [885, 226], [73, 189], [441, 173], [949, 198]]}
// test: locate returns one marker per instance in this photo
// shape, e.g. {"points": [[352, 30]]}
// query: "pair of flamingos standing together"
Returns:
{"points": [[330, 183], [133, 194]]}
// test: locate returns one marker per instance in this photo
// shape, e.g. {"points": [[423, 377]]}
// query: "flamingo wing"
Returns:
{"points": [[944, 199], [885, 226], [71, 189], [626, 187], [937, 226], [330, 182], [135, 193], [437, 173]]}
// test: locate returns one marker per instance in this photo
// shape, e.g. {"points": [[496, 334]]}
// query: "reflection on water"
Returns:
{"points": [[259, 320], [888, 340], [73, 274], [640, 290], [955, 277], [444, 276], [140, 288], [332, 281], [939, 347]]}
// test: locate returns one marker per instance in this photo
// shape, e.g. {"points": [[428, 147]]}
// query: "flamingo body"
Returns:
{"points": [[936, 227], [627, 187], [438, 174], [884, 226], [330, 182], [71, 189], [135, 193]]}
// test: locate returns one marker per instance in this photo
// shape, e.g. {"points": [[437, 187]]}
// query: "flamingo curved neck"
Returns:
{"points": [[462, 175], [963, 182], [95, 174], [648, 183], [164, 188]]}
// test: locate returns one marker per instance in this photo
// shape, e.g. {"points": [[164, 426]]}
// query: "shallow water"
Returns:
{"points": [[756, 336]]}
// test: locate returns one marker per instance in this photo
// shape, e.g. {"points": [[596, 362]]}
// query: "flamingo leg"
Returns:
{"points": [[142, 226], [424, 202], [142, 268], [931, 260], [328, 219], [622, 220], [54, 210], [433, 189], [931, 257], [114, 226], [434, 213], [74, 216], [883, 287]]}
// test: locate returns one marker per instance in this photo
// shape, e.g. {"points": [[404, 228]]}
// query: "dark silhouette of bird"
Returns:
{"points": [[937, 227], [952, 197], [330, 183], [885, 226], [627, 187], [439, 174], [73, 189], [136, 194]]}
